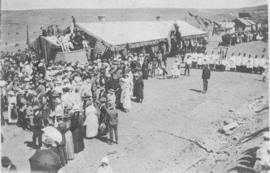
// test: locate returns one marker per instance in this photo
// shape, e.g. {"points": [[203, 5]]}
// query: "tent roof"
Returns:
{"points": [[227, 24], [246, 22], [52, 40], [119, 33]]}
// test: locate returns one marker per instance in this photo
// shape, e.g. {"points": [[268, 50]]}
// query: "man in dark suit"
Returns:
{"points": [[205, 76], [113, 122]]}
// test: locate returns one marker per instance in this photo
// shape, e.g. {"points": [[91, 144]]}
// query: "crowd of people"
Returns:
{"points": [[79, 100], [240, 62], [242, 37]]}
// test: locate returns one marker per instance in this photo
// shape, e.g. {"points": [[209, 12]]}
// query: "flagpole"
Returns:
{"points": [[27, 35]]}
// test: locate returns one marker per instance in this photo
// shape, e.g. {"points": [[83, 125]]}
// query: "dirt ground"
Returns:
{"points": [[172, 107]]}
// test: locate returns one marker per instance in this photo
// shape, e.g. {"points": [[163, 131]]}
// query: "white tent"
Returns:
{"points": [[138, 33]]}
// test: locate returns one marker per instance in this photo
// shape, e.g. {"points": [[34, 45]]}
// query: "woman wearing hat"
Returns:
{"points": [[126, 92], [91, 121], [138, 87], [12, 111], [77, 129], [145, 70]]}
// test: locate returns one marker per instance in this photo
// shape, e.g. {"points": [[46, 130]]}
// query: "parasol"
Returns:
{"points": [[53, 133]]}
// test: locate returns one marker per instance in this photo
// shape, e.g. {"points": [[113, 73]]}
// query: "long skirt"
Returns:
{"points": [[126, 98], [77, 135], [12, 114], [91, 123], [69, 147]]}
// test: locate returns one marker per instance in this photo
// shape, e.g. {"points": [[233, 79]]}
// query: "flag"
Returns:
{"points": [[218, 25], [198, 20], [190, 14], [100, 47], [204, 21], [210, 21], [27, 35]]}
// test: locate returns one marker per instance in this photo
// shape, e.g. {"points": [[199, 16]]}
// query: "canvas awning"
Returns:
{"points": [[138, 33], [47, 47]]}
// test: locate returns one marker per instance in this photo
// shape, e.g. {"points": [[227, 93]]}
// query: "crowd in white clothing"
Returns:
{"points": [[240, 63]]}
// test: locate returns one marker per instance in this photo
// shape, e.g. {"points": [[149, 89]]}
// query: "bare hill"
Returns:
{"points": [[13, 23]]}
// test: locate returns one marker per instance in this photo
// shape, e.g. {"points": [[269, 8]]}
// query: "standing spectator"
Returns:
{"points": [[256, 64], [164, 59], [244, 63], [37, 133], [113, 122], [238, 62], [205, 77], [77, 130], [262, 62], [232, 62], [187, 65], [138, 88], [249, 64], [211, 61], [159, 58]]}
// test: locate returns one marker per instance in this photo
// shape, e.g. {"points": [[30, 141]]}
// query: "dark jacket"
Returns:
{"points": [[206, 73], [113, 116]]}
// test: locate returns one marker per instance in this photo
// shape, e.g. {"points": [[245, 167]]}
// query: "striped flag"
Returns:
{"points": [[99, 47]]}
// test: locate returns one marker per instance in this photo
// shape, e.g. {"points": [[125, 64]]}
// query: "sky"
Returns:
{"points": [[47, 4]]}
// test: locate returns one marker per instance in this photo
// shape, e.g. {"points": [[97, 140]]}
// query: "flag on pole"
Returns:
{"points": [[27, 35]]}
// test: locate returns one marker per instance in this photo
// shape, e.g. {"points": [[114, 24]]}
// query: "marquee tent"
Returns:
{"points": [[137, 33], [116, 36]]}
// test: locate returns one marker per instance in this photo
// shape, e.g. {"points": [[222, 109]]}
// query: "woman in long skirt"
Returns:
{"points": [[69, 141], [126, 92], [77, 130], [91, 121]]}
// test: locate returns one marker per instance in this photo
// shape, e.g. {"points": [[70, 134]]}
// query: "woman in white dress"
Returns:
{"points": [[91, 121], [126, 92], [174, 69]]}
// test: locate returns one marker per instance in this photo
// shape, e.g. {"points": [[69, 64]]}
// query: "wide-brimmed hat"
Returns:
{"points": [[105, 160], [111, 91], [102, 99], [5, 161]]}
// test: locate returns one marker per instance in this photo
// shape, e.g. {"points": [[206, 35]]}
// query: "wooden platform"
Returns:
{"points": [[73, 56]]}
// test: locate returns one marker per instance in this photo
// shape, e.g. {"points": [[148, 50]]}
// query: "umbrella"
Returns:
{"points": [[45, 161], [53, 133]]}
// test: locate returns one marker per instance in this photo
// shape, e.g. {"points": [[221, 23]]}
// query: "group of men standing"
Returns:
{"points": [[239, 63]]}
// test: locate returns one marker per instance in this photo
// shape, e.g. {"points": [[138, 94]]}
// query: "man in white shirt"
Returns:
{"points": [[194, 60], [256, 62], [249, 64], [211, 61], [200, 61], [205, 59], [187, 64], [232, 61], [244, 63], [262, 63], [238, 62], [223, 64]]}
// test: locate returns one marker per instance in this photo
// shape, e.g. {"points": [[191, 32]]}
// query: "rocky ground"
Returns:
{"points": [[153, 135]]}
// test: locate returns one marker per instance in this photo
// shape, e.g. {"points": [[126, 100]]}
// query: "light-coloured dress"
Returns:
{"points": [[91, 122], [69, 147], [126, 92]]}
